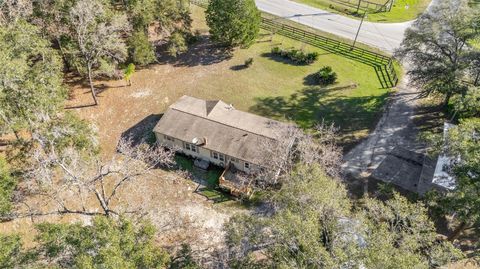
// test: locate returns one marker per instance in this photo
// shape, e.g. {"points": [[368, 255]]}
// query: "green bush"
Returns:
{"points": [[141, 50], [7, 186], [248, 62], [276, 50], [177, 43], [325, 76], [297, 56]]}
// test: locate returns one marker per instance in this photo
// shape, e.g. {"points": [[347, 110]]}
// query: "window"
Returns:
{"points": [[168, 138], [247, 165], [218, 156], [191, 147], [233, 160]]}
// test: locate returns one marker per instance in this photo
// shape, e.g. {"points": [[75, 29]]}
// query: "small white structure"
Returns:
{"points": [[442, 177]]}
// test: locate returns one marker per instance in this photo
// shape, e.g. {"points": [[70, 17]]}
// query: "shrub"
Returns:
{"points": [[177, 43], [248, 62], [141, 50], [7, 186], [325, 76], [297, 56], [276, 50]]}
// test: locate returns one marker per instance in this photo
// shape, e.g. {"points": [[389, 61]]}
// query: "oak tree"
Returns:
{"points": [[233, 22], [97, 44], [438, 51]]}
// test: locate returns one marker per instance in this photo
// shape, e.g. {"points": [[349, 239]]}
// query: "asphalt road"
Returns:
{"points": [[385, 36]]}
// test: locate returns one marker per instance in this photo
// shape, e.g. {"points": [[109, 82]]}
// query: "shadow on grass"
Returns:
{"points": [[314, 104], [207, 180], [213, 195], [278, 58], [238, 67], [203, 52], [142, 132], [284, 60], [310, 80]]}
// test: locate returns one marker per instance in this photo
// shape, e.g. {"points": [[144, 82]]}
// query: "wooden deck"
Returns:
{"points": [[238, 183]]}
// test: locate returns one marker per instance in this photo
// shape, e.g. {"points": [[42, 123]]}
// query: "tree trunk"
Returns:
{"points": [[447, 99], [103, 204], [62, 52], [16, 134], [458, 231], [92, 89]]}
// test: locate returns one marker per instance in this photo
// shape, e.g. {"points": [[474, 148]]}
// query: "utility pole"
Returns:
{"points": [[358, 6], [358, 31]]}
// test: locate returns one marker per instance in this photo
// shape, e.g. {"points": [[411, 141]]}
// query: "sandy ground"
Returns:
{"points": [[169, 201], [165, 198]]}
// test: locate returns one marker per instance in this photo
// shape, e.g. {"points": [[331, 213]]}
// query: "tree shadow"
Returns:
{"points": [[429, 118], [279, 59], [284, 60], [102, 87], [142, 132], [79, 106], [204, 52], [310, 80], [238, 67], [213, 194], [313, 104]]}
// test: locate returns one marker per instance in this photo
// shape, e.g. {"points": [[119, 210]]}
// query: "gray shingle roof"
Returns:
{"points": [[227, 130]]}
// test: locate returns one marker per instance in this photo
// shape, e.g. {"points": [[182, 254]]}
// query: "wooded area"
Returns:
{"points": [[301, 213]]}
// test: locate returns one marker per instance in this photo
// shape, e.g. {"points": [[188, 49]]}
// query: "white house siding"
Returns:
{"points": [[204, 153]]}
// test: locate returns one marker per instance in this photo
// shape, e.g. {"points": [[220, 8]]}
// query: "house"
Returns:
{"points": [[418, 172], [216, 132]]}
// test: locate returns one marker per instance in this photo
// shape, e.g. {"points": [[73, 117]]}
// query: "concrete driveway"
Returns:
{"points": [[385, 36]]}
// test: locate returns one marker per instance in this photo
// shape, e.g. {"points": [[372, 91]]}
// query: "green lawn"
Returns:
{"points": [[211, 176], [276, 88], [399, 12]]}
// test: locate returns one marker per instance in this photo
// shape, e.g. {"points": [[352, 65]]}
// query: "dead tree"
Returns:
{"points": [[86, 185], [292, 147], [13, 10]]}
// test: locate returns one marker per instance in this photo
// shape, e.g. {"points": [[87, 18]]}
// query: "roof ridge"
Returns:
{"points": [[222, 123], [210, 105]]}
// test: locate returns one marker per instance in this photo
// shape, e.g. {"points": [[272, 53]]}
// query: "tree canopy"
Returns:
{"points": [[105, 243], [463, 145], [313, 224], [233, 22], [7, 185], [31, 84], [438, 51]]}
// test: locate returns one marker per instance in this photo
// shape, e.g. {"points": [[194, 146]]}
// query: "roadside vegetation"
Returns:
{"points": [[445, 65], [402, 10]]}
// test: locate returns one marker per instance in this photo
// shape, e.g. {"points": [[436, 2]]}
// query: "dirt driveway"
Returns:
{"points": [[396, 128]]}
